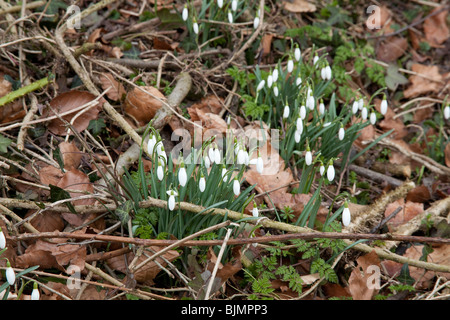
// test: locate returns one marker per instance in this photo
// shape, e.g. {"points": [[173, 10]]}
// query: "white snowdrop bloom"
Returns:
{"points": [[330, 172], [230, 17], [364, 113], [328, 73], [290, 65], [185, 13], [256, 22], [321, 108], [255, 211], [297, 136], [447, 112], [269, 81], [322, 169], [383, 107], [346, 216], [341, 133], [202, 183], [303, 112], [160, 171], [297, 53], [163, 155], [195, 27], [360, 103], [298, 81], [246, 158], [241, 156], [207, 161], [182, 175], [309, 92], [323, 73], [286, 111], [299, 125], [310, 102], [211, 154], [308, 158], [316, 58], [236, 187], [35, 293], [275, 75], [224, 172], [151, 143], [234, 5], [326, 124], [259, 164], [220, 3], [217, 157], [171, 202], [2, 239], [261, 85], [355, 107], [159, 147], [275, 90], [10, 274], [373, 118]]}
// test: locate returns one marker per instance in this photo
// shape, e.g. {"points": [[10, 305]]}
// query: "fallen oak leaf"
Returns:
{"points": [[436, 29]]}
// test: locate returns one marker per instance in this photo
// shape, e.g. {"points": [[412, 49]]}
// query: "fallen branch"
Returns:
{"points": [[24, 90]]}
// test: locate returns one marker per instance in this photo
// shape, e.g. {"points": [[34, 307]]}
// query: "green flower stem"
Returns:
{"points": [[24, 90]]}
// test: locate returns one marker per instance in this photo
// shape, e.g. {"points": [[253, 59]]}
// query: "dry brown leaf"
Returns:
{"points": [[391, 49], [447, 154], [360, 283], [68, 101], [50, 175], [77, 180], [299, 6], [266, 43], [117, 91], [71, 155], [419, 194], [12, 111], [409, 211], [46, 221], [5, 85], [142, 106], [436, 29], [421, 85]]}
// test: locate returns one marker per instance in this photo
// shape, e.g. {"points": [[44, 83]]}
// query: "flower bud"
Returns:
{"points": [[346, 216], [297, 53], [202, 183], [286, 111], [330, 171], [447, 112], [261, 85], [341, 133], [2, 239], [236, 187], [373, 118], [185, 13], [35, 292], [290, 65], [255, 211], [10, 274], [383, 106]]}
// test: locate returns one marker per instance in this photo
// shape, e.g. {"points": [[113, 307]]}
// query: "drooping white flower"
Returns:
{"points": [[330, 171], [383, 106], [321, 107], [159, 147], [171, 202], [255, 211], [202, 183], [224, 172], [303, 112], [323, 73], [373, 118], [269, 81], [236, 187], [364, 113], [299, 125], [217, 156], [308, 157], [316, 58], [328, 73], [195, 26], [290, 65], [151, 143], [211, 154], [160, 170], [162, 154], [185, 13], [220, 3], [275, 90], [447, 112], [298, 81], [10, 274], [275, 75], [355, 107], [256, 22], [230, 17], [240, 156], [234, 5], [286, 111], [360, 103], [297, 53], [182, 175], [297, 136], [346, 215], [35, 293], [341, 133], [207, 161], [259, 164], [322, 169], [261, 85], [2, 240], [310, 102]]}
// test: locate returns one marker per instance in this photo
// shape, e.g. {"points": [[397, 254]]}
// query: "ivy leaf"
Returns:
{"points": [[57, 193], [394, 78], [404, 276], [4, 144], [96, 126]]}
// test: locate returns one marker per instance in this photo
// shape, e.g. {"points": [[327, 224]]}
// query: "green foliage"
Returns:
{"points": [[96, 126], [4, 144]]}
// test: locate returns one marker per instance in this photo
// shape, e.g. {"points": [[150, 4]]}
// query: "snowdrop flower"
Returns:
{"points": [[261, 85], [310, 102], [447, 112], [330, 171], [195, 26], [297, 136], [341, 133], [309, 92], [10, 274], [297, 53], [256, 21], [217, 157], [2, 239], [159, 147], [299, 125], [275, 75], [328, 73], [234, 5], [360, 103], [160, 170], [240, 156], [211, 154], [290, 65], [224, 172], [255, 211], [286, 111], [207, 161], [298, 81], [202, 183], [323, 73], [162, 153], [316, 58], [151, 143], [236, 187], [373, 118], [383, 106], [355, 107], [182, 175], [35, 292], [321, 107], [275, 90], [346, 216], [259, 163], [308, 157], [269, 81], [171, 202], [185, 13], [322, 169], [303, 112], [220, 3], [230, 17], [364, 113]]}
